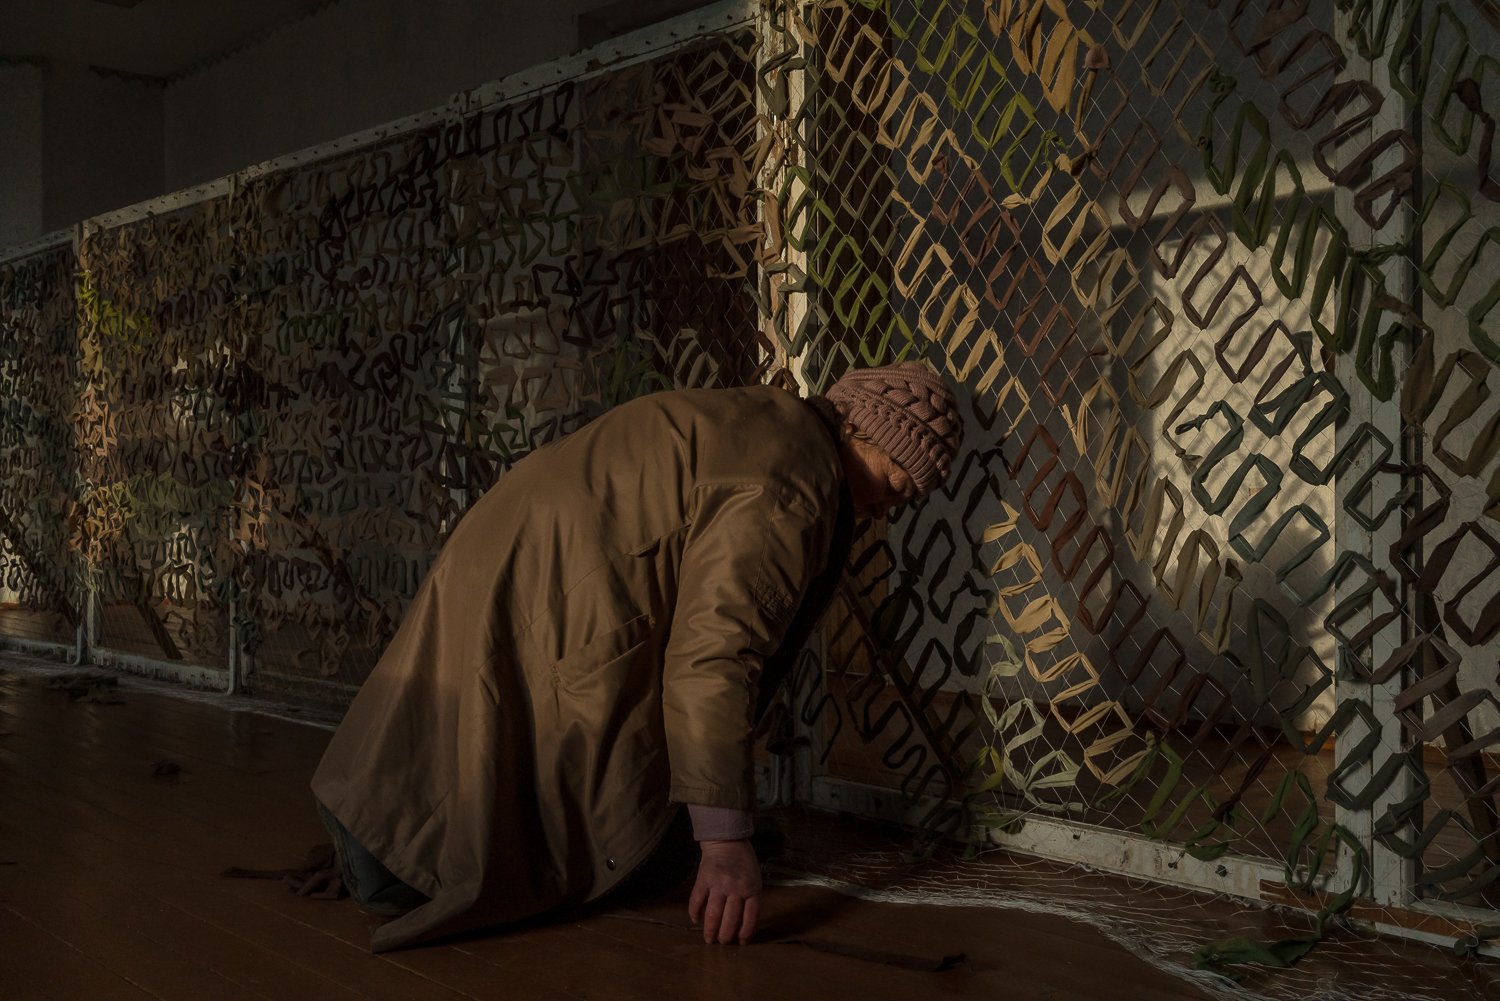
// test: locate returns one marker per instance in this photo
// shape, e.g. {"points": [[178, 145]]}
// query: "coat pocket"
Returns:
{"points": [[577, 672]]}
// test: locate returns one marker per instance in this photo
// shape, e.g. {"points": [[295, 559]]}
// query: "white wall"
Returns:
{"points": [[20, 154], [103, 144], [76, 143], [351, 66]]}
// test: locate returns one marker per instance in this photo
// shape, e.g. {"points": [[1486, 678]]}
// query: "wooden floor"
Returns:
{"points": [[109, 888]]}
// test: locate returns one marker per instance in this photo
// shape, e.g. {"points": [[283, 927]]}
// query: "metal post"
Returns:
{"points": [[233, 685], [91, 615], [775, 24], [1392, 877]]}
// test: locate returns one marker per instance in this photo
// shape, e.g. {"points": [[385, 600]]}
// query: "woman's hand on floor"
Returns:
{"points": [[726, 895]]}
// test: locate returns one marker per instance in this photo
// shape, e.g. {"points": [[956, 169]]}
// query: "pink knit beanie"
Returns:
{"points": [[909, 411]]}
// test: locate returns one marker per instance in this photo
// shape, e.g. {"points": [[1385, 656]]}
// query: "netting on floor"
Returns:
{"points": [[1165, 925]]}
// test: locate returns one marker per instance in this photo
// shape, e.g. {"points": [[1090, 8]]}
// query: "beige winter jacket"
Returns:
{"points": [[585, 652]]}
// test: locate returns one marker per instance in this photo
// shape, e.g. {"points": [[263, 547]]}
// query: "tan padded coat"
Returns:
{"points": [[584, 653]]}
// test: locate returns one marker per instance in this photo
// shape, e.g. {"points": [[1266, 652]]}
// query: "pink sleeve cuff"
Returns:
{"points": [[719, 823]]}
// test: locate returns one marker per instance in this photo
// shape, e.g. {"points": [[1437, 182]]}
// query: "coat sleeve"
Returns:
{"points": [[746, 565]]}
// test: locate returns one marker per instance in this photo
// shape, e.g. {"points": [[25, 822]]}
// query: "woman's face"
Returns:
{"points": [[877, 483]]}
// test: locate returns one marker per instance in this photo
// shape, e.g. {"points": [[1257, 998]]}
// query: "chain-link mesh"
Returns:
{"points": [[156, 449], [1217, 562], [40, 596], [292, 391]]}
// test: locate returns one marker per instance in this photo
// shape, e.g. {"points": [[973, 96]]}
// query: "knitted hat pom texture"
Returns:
{"points": [[908, 410]]}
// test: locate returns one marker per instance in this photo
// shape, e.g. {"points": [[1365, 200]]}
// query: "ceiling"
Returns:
{"points": [[149, 38]]}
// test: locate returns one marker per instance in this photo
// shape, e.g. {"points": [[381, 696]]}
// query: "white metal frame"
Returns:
{"points": [[47, 241], [1392, 877], [617, 53], [43, 648]]}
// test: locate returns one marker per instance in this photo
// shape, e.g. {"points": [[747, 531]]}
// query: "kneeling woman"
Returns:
{"points": [[595, 643]]}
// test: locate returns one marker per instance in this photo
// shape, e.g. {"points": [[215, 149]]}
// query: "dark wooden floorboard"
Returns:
{"points": [[168, 901], [37, 962], [260, 918], [147, 941]]}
